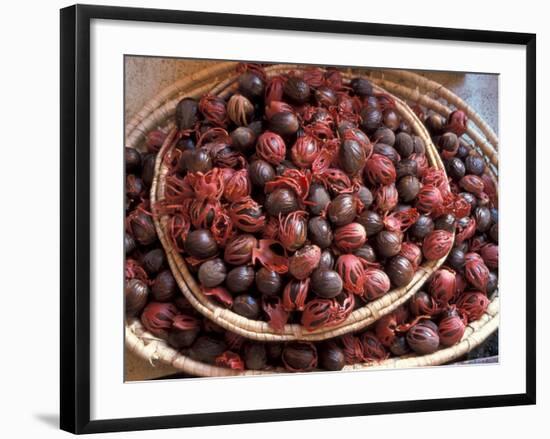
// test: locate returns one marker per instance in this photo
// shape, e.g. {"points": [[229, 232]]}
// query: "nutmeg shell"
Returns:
{"points": [[400, 271], [246, 306], [212, 273], [320, 232], [342, 209], [326, 283], [281, 201], [201, 244], [240, 279]]}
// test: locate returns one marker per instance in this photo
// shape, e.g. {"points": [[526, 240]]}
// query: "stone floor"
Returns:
{"points": [[145, 77]]}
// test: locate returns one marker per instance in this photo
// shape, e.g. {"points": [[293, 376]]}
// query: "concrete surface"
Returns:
{"points": [[145, 77]]}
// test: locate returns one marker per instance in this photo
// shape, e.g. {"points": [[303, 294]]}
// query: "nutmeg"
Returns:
{"points": [[408, 188], [281, 201], [212, 273], [206, 349], [326, 283], [164, 286], [319, 199], [136, 293], [246, 306], [240, 279], [342, 210], [332, 358], [388, 243], [400, 271], [268, 282], [201, 244], [304, 261], [297, 90], [320, 232], [371, 221]]}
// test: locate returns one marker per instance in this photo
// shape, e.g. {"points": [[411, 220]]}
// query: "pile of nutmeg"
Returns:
{"points": [[299, 198]]}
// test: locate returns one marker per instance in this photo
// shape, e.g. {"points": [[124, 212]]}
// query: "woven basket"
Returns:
{"points": [[260, 330], [153, 349]]}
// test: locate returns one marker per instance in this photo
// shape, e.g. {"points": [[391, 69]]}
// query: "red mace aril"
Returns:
{"points": [[277, 315], [451, 328], [271, 147], [477, 273], [158, 318], [423, 304], [336, 180], [350, 237], [473, 305], [344, 306], [304, 151], [222, 228], [202, 212], [247, 215], [377, 283], [155, 139], [140, 225], [292, 179], [239, 250], [373, 349], [412, 252], [421, 163], [465, 230], [401, 221], [207, 186], [429, 199], [489, 254], [472, 183], [230, 360], [237, 186], [275, 107], [271, 229], [266, 254], [292, 231], [443, 285], [185, 322], [320, 131], [353, 349], [274, 89], [178, 229], [302, 263], [437, 244], [385, 329], [295, 294], [350, 268], [461, 283], [386, 198], [358, 135], [214, 110], [133, 270], [317, 313], [472, 256], [380, 170], [220, 294], [456, 122], [489, 187]]}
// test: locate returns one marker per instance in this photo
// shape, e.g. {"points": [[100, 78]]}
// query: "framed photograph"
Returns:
{"points": [[281, 219]]}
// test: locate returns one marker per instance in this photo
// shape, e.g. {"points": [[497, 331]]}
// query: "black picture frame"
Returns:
{"points": [[75, 217]]}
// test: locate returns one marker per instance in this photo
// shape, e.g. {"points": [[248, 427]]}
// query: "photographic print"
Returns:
{"points": [[295, 234], [288, 218]]}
